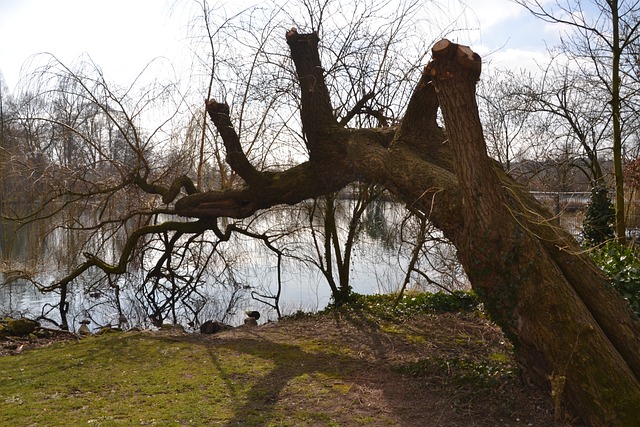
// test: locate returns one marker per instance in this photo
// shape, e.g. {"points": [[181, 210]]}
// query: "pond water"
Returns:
{"points": [[234, 274]]}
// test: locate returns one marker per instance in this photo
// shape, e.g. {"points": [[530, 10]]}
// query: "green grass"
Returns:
{"points": [[123, 379], [142, 379], [353, 366], [105, 380]]}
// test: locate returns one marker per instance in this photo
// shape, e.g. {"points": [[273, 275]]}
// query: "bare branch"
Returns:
{"points": [[356, 109], [93, 261]]}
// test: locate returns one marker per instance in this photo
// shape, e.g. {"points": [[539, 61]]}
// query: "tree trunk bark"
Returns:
{"points": [[573, 336]]}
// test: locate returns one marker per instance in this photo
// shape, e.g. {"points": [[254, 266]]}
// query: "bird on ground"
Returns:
{"points": [[252, 314], [84, 329], [122, 320]]}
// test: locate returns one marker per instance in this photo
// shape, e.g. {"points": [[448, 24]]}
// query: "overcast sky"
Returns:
{"points": [[121, 36]]}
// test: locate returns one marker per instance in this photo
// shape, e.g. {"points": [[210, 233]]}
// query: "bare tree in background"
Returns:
{"points": [[506, 117], [599, 35]]}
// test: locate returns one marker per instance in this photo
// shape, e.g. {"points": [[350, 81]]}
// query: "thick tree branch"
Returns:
{"points": [[454, 71], [236, 158], [291, 186], [318, 121], [419, 129], [347, 155], [328, 170]]}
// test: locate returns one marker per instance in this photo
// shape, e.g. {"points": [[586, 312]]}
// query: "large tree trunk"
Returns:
{"points": [[573, 335]]}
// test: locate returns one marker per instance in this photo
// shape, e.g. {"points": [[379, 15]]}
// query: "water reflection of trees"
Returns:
{"points": [[67, 196], [90, 172], [189, 278]]}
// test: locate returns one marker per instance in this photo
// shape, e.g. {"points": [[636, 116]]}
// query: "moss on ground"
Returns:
{"points": [[339, 368]]}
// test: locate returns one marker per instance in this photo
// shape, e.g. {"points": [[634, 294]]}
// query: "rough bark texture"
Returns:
{"points": [[574, 336]]}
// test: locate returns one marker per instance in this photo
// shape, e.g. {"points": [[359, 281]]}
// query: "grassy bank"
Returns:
{"points": [[355, 366]]}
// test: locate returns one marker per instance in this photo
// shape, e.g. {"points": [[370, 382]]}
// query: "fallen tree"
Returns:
{"points": [[574, 336]]}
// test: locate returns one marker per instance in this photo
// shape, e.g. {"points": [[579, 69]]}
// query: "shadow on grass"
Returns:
{"points": [[343, 371], [310, 382], [289, 362], [333, 370]]}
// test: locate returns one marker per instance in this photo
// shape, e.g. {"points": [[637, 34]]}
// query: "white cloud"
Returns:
{"points": [[489, 13], [517, 59], [505, 34], [120, 35]]}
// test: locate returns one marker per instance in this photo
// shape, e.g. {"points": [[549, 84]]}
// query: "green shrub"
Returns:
{"points": [[482, 373], [600, 217], [411, 304], [622, 264]]}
